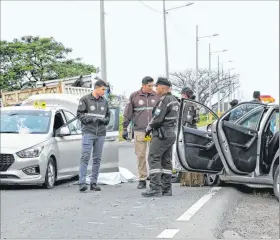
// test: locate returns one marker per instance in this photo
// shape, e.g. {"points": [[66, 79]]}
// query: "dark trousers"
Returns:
{"points": [[160, 162]]}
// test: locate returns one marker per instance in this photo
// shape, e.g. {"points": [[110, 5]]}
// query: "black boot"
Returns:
{"points": [[142, 184], [83, 187], [152, 193], [94, 187], [167, 192]]}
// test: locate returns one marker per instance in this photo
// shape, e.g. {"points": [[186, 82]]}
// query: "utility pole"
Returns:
{"points": [[223, 100], [103, 42], [196, 72], [165, 41], [219, 107], [210, 81], [230, 87]]}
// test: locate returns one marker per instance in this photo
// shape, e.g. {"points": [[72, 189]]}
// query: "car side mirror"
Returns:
{"points": [[63, 131]]}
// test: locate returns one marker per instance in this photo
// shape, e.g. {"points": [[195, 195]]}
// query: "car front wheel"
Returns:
{"points": [[50, 174], [211, 179], [276, 183]]}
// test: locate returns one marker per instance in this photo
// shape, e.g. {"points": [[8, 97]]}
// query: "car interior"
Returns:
{"points": [[270, 143], [199, 148]]}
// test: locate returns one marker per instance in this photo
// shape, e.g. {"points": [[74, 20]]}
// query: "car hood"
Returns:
{"points": [[12, 143]]}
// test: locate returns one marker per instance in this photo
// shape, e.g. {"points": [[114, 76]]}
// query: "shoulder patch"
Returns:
{"points": [[157, 111]]}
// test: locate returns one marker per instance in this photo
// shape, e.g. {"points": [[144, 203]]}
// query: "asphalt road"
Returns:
{"points": [[119, 212]]}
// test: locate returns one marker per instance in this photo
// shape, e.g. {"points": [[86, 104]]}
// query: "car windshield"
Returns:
{"points": [[25, 121]]}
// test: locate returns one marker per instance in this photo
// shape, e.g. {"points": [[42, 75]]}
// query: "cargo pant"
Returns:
{"points": [[94, 144], [160, 161], [140, 151]]}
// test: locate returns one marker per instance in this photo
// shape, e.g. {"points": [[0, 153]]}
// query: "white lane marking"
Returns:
{"points": [[195, 207], [168, 233]]}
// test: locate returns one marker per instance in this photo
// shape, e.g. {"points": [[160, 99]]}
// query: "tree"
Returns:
{"points": [[188, 79], [31, 59]]}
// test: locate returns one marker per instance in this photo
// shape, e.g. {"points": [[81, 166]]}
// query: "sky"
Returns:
{"points": [[249, 30]]}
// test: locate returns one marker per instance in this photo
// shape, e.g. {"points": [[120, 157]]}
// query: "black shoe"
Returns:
{"points": [[167, 192], [148, 178], [94, 187], [142, 184], [152, 193], [83, 187]]}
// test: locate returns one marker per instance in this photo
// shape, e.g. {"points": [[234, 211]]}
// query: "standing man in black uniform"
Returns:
{"points": [[162, 126]]}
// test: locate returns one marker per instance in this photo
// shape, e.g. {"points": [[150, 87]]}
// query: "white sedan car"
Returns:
{"points": [[42, 145]]}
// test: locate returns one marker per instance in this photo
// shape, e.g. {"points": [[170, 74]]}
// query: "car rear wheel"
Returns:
{"points": [[276, 183], [50, 174], [211, 179]]}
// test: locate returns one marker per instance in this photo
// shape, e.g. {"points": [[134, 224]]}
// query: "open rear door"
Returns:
{"points": [[237, 134], [196, 150]]}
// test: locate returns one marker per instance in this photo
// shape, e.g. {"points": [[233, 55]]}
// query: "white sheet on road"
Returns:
{"points": [[113, 178]]}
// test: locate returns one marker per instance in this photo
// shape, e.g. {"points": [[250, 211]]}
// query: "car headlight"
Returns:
{"points": [[31, 152]]}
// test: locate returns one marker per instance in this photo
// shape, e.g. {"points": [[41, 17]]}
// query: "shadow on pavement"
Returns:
{"points": [[33, 187]]}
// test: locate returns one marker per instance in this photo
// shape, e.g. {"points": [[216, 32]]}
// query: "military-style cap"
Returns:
{"points": [[256, 94], [187, 90], [163, 81]]}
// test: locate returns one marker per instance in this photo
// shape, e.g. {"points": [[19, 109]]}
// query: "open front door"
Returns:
{"points": [[196, 150], [238, 133]]}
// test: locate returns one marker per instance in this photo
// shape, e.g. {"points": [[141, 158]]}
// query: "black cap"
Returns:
{"points": [[163, 81], [187, 91], [234, 102], [256, 94]]}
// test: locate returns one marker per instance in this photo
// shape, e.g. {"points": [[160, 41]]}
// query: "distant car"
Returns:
{"points": [[42, 145], [242, 146]]}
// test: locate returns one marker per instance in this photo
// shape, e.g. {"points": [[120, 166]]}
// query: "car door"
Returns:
{"points": [[195, 147], [238, 137], [110, 156], [69, 147]]}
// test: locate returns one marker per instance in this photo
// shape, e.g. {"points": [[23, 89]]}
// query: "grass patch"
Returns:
{"points": [[121, 128]]}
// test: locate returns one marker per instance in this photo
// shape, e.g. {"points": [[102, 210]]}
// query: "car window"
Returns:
{"points": [[25, 121], [197, 115], [58, 121], [274, 122], [68, 115], [252, 121], [241, 110], [75, 127], [110, 126]]}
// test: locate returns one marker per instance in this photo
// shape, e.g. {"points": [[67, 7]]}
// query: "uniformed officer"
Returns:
{"points": [[94, 114], [256, 97], [190, 118], [233, 103], [162, 126], [139, 111]]}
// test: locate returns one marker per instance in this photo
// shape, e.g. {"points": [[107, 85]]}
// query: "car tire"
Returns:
{"points": [[50, 177], [210, 179], [276, 183]]}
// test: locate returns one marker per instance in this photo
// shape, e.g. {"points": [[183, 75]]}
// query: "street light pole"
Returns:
{"points": [[103, 42], [219, 86], [165, 42], [196, 72], [210, 81], [223, 100]]}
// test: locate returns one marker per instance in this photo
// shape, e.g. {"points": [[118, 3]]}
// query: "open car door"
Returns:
{"points": [[196, 150], [237, 134]]}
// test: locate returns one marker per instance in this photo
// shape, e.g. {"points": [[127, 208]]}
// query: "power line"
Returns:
{"points": [[149, 7]]}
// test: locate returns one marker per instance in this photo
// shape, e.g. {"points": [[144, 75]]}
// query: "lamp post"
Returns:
{"points": [[196, 72], [210, 73], [165, 11]]}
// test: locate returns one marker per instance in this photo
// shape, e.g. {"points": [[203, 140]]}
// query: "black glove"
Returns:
{"points": [[125, 134], [148, 132]]}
